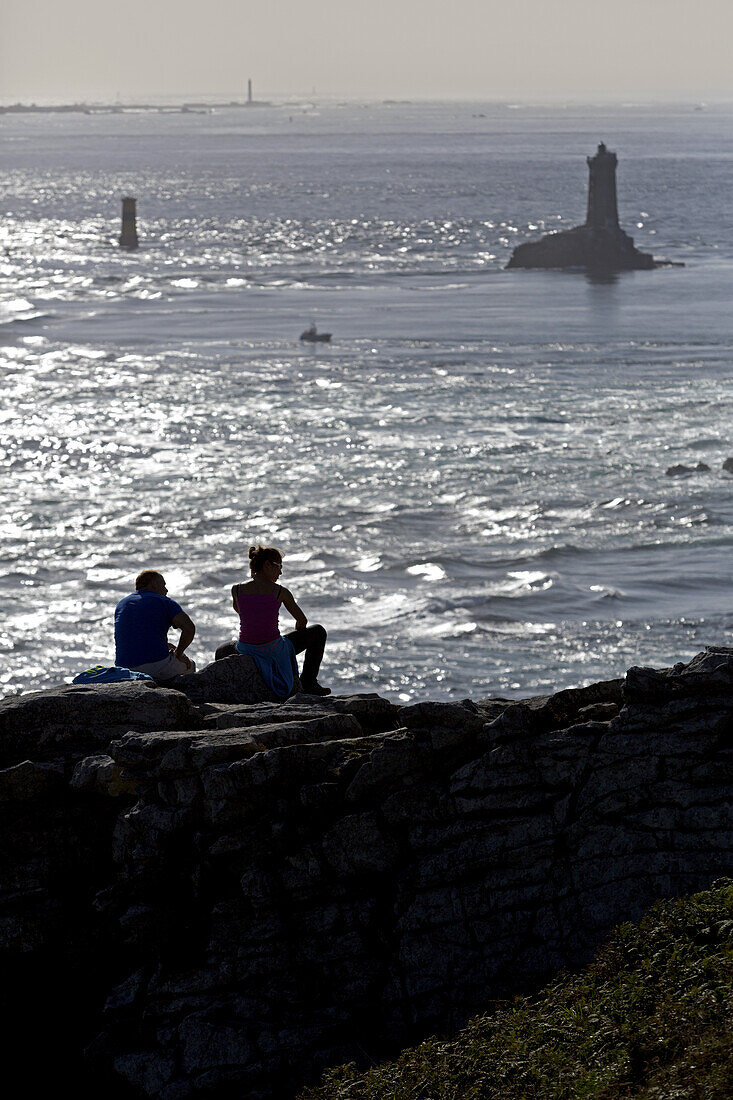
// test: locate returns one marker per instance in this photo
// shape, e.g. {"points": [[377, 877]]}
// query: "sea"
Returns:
{"points": [[470, 484]]}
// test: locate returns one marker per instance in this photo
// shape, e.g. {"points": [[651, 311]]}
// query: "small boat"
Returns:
{"points": [[313, 336]]}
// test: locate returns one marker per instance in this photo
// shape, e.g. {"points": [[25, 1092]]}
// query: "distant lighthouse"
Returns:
{"points": [[602, 206], [128, 236], [249, 92]]}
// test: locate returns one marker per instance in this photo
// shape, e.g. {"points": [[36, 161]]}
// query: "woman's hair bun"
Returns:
{"points": [[258, 555]]}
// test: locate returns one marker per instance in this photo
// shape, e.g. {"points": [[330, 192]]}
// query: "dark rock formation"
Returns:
{"points": [[225, 904], [80, 718], [680, 470], [581, 247], [234, 679], [600, 244]]}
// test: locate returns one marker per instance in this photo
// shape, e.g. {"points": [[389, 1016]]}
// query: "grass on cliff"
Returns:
{"points": [[651, 1018]]}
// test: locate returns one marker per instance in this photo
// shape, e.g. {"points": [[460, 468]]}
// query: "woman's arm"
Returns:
{"points": [[286, 598], [235, 591]]}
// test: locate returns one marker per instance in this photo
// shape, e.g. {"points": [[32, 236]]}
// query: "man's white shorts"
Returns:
{"points": [[166, 669]]}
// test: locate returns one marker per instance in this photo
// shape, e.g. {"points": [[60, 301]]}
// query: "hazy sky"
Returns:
{"points": [[95, 49]]}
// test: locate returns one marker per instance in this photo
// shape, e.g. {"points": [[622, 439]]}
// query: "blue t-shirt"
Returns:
{"points": [[142, 620]]}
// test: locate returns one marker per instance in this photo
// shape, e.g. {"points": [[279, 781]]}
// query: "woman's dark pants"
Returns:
{"points": [[312, 639]]}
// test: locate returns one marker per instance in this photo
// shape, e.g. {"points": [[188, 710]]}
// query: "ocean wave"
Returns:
{"points": [[19, 311]]}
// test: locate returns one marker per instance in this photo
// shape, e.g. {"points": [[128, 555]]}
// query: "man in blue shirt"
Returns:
{"points": [[142, 621]]}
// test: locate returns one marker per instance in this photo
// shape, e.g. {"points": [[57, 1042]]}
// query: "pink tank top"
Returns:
{"points": [[258, 614]]}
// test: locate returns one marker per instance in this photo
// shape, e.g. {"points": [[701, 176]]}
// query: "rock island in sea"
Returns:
{"points": [[600, 244]]}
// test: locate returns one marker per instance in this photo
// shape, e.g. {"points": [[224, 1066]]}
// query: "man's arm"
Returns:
{"points": [[183, 623]]}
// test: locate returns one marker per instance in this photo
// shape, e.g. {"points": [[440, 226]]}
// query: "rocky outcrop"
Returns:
{"points": [[592, 249], [251, 892], [680, 470], [67, 721], [233, 679]]}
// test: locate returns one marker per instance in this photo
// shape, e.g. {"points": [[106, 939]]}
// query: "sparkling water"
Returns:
{"points": [[468, 484]]}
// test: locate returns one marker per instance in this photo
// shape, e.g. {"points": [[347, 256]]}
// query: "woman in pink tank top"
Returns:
{"points": [[258, 601]]}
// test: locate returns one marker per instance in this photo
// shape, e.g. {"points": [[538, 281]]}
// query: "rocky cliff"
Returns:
{"points": [[212, 897]]}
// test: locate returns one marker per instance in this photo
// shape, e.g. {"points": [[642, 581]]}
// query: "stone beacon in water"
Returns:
{"points": [[128, 236], [600, 244]]}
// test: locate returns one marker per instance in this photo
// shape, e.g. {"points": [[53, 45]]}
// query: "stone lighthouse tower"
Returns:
{"points": [[600, 244], [602, 207]]}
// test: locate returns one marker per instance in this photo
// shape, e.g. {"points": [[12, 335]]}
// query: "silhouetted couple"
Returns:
{"points": [[142, 621]]}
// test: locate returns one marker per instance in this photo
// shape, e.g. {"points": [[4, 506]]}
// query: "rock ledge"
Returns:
{"points": [[219, 899]]}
